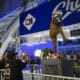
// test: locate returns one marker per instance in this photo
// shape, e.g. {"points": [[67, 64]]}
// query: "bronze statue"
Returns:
{"points": [[55, 28]]}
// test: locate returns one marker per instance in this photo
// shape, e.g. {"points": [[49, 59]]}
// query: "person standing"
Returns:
{"points": [[32, 62], [38, 64], [2, 60], [13, 67]]}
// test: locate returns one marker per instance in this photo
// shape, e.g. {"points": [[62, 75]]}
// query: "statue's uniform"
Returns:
{"points": [[55, 28]]}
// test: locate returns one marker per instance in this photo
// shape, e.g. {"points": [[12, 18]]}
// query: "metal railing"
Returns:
{"points": [[34, 68], [37, 76]]}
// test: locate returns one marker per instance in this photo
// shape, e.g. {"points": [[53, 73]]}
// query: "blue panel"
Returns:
{"points": [[42, 2], [72, 46], [31, 49], [43, 14]]}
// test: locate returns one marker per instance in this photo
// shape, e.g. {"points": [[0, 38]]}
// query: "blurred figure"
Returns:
{"points": [[55, 28], [2, 61], [71, 56], [78, 59], [55, 55], [62, 56], [13, 67], [37, 64], [0, 44], [77, 66], [32, 62]]}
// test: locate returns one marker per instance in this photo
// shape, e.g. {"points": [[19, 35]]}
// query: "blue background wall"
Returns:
{"points": [[71, 47], [31, 49]]}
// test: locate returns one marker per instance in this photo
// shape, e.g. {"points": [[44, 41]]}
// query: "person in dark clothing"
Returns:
{"points": [[2, 64], [38, 62], [32, 62], [0, 44], [13, 67]]}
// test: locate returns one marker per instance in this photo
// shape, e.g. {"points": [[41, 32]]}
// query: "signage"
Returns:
{"points": [[38, 19]]}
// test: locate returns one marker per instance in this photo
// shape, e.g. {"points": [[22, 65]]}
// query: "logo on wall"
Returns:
{"points": [[70, 7], [29, 21]]}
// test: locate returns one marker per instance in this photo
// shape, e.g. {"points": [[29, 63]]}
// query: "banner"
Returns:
{"points": [[38, 19]]}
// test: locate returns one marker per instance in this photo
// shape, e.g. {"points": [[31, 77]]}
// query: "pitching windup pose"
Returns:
{"points": [[55, 28]]}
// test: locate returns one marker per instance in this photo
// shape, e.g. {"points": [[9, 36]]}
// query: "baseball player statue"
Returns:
{"points": [[55, 28]]}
